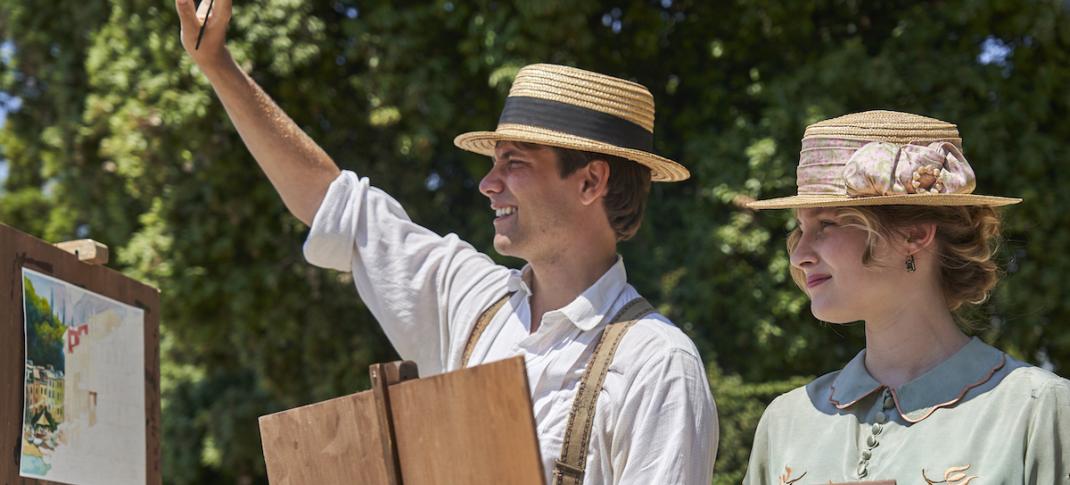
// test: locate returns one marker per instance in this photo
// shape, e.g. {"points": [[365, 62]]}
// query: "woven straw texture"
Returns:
{"points": [[891, 127], [888, 126], [812, 201], [617, 97], [610, 95]]}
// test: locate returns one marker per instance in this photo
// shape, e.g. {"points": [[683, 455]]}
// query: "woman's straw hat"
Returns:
{"points": [[882, 158], [571, 108]]}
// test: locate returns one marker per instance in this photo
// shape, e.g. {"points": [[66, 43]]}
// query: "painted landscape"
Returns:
{"points": [[84, 410]]}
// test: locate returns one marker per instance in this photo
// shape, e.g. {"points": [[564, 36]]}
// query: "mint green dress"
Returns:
{"points": [[978, 418]]}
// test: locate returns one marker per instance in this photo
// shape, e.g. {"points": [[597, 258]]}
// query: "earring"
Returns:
{"points": [[911, 267]]}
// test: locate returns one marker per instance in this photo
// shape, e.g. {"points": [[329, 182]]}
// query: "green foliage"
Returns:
{"points": [[740, 405], [44, 332], [119, 138]]}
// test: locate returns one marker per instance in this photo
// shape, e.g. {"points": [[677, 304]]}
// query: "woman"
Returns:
{"points": [[890, 233]]}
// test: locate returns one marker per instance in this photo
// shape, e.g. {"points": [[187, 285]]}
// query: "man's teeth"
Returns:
{"points": [[504, 211]]}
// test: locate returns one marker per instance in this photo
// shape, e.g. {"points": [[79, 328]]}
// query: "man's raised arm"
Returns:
{"points": [[298, 168]]}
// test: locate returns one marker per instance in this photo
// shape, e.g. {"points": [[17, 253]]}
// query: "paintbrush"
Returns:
{"points": [[205, 24]]}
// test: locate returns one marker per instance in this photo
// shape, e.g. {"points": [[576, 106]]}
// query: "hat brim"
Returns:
{"points": [[483, 142], [813, 201]]}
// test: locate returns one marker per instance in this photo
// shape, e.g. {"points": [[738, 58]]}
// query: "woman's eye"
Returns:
{"points": [[825, 224]]}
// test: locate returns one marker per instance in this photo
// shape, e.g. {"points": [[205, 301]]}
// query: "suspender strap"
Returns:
{"points": [[481, 324], [569, 469]]}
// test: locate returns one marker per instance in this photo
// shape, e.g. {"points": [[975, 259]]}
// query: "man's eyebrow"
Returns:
{"points": [[506, 154]]}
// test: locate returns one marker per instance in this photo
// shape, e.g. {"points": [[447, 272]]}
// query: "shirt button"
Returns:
{"points": [[866, 455], [881, 417], [862, 472], [877, 429], [889, 403], [872, 442]]}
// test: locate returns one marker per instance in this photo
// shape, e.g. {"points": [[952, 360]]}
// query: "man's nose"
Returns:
{"points": [[491, 182]]}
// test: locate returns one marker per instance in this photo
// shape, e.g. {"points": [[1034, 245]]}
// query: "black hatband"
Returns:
{"points": [[576, 120]]}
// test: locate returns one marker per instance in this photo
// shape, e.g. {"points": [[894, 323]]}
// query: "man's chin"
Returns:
{"points": [[504, 245]]}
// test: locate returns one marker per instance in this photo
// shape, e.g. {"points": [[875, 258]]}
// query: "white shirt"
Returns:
{"points": [[655, 420]]}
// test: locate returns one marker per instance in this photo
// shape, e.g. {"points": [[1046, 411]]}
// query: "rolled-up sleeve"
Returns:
{"points": [[424, 289]]}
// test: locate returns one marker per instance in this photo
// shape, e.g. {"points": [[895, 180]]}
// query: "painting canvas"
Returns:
{"points": [[84, 409]]}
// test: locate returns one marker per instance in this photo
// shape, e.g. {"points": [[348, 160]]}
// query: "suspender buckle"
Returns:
{"points": [[566, 470]]}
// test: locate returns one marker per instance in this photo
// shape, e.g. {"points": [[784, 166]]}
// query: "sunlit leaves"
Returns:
{"points": [[120, 138]]}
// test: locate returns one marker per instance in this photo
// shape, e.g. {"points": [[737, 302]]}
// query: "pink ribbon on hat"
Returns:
{"points": [[867, 169]]}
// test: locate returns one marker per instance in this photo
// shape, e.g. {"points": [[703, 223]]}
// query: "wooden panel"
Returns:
{"points": [[468, 426], [332, 442], [18, 250]]}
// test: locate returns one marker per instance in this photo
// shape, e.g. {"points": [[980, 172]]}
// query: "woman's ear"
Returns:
{"points": [[918, 238], [595, 181]]}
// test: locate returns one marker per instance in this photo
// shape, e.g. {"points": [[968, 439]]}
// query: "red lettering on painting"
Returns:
{"points": [[74, 336]]}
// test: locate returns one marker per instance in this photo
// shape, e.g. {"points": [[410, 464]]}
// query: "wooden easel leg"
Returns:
{"points": [[383, 376]]}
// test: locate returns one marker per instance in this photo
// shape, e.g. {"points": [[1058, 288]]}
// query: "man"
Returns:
{"points": [[572, 166]]}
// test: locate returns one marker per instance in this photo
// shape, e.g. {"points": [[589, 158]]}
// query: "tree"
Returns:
{"points": [[120, 139], [44, 332]]}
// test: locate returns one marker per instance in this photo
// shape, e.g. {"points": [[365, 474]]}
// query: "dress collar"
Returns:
{"points": [[590, 307], [942, 386]]}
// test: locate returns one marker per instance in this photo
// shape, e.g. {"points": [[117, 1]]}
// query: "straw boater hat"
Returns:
{"points": [[882, 158], [571, 108]]}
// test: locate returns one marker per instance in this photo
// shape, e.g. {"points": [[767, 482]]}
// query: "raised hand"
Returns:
{"points": [[212, 49], [298, 168]]}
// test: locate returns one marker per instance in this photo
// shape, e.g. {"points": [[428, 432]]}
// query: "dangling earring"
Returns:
{"points": [[911, 267]]}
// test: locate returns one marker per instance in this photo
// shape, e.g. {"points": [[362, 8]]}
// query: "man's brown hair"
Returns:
{"points": [[628, 185], [627, 188]]}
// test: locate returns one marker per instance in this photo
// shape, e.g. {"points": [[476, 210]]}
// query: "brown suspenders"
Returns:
{"points": [[481, 325], [570, 468]]}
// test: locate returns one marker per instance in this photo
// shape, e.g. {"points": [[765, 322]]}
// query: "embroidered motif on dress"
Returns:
{"points": [[786, 479], [955, 475]]}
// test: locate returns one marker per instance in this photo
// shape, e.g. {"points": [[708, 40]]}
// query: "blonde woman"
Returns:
{"points": [[890, 233]]}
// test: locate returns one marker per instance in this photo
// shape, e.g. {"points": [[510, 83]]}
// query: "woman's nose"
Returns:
{"points": [[803, 254]]}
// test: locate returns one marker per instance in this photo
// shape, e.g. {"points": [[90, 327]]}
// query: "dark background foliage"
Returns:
{"points": [[111, 133]]}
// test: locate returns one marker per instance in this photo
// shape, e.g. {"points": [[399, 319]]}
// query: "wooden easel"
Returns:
{"points": [[383, 376], [80, 263], [469, 426]]}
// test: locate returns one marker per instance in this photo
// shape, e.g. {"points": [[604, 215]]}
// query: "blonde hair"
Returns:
{"points": [[967, 239]]}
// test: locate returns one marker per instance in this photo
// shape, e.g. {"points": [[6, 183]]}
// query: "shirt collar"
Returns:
{"points": [[590, 307], [520, 281], [942, 386]]}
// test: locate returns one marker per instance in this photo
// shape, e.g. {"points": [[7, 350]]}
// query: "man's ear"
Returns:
{"points": [[594, 181], [918, 237]]}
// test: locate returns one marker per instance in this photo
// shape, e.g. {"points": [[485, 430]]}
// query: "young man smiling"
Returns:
{"points": [[572, 166], [554, 209]]}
